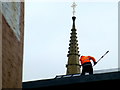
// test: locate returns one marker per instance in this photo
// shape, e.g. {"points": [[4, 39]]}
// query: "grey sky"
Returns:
{"points": [[47, 34]]}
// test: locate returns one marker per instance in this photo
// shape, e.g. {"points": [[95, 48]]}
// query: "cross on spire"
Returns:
{"points": [[73, 6]]}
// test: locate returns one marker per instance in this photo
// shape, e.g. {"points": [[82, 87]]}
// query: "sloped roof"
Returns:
{"points": [[85, 81]]}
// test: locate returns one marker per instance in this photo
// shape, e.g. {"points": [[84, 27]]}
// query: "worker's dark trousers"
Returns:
{"points": [[87, 68]]}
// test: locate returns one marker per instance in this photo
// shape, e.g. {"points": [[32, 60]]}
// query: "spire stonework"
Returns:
{"points": [[73, 66]]}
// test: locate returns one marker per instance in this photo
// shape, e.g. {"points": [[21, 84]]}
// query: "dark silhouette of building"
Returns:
{"points": [[95, 81]]}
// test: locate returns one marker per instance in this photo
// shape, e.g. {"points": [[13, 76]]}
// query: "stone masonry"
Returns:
{"points": [[11, 44]]}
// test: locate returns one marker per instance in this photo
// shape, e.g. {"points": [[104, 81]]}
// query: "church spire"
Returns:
{"points": [[73, 66]]}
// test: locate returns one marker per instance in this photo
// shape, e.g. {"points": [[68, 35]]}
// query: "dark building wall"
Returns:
{"points": [[12, 48]]}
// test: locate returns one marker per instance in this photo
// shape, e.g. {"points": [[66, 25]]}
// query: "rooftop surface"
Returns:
{"points": [[101, 80]]}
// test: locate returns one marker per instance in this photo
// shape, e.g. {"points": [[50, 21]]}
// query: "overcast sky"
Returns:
{"points": [[47, 34]]}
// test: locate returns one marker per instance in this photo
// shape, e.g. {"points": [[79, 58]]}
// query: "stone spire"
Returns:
{"points": [[73, 66]]}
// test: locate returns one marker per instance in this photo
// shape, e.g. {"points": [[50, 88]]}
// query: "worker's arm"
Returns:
{"points": [[94, 60], [81, 60]]}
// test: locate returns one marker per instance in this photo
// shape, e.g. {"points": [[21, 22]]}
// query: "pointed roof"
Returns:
{"points": [[73, 66], [73, 46]]}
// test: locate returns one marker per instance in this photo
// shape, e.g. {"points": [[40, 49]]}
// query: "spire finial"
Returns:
{"points": [[73, 6]]}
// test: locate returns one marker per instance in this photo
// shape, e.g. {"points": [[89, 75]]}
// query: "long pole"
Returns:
{"points": [[101, 57]]}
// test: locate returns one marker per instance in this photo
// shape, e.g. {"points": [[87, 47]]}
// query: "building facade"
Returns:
{"points": [[11, 44]]}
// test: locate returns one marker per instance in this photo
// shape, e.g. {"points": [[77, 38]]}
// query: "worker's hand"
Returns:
{"points": [[95, 63]]}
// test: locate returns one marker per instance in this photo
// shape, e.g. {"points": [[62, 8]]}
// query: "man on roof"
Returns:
{"points": [[86, 64]]}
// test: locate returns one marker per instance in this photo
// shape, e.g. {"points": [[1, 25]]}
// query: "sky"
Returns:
{"points": [[47, 33]]}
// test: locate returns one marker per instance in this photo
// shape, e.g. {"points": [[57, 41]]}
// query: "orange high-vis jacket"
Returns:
{"points": [[85, 59]]}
